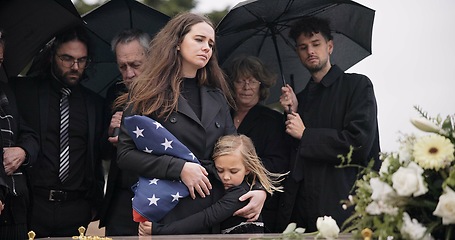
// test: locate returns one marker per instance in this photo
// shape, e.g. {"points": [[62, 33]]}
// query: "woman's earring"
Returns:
{"points": [[178, 48]]}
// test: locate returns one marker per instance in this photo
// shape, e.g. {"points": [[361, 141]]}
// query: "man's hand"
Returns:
{"points": [[295, 125], [115, 124], [252, 210], [288, 100], [13, 157], [194, 176], [2, 206], [145, 228]]}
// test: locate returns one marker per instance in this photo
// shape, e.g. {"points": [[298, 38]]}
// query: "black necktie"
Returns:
{"points": [[64, 135]]}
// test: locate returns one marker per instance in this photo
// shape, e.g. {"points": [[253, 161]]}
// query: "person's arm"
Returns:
{"points": [[3, 186], [253, 209], [27, 142], [114, 127], [13, 157], [149, 165], [215, 214], [288, 99]]}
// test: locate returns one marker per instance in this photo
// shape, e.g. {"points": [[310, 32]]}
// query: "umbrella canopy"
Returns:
{"points": [[103, 24], [261, 27], [29, 25]]}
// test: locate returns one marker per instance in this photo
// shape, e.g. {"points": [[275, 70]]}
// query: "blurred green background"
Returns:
{"points": [[168, 7]]}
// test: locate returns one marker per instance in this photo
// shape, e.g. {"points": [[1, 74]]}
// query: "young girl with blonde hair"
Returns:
{"points": [[239, 168]]}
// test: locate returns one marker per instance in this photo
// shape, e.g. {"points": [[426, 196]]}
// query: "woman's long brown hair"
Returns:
{"points": [[157, 89]]}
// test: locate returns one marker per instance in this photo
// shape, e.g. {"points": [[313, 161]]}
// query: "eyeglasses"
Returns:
{"points": [[243, 82], [69, 61]]}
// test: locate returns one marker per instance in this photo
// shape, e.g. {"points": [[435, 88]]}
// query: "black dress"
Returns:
{"points": [[266, 129]]}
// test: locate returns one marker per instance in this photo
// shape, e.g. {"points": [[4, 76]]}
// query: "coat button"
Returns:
{"points": [[217, 124], [173, 120]]}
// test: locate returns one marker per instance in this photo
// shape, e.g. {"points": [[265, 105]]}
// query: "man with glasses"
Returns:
{"points": [[67, 178]]}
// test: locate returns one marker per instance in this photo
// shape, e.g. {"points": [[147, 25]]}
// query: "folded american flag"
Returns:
{"points": [[154, 198]]}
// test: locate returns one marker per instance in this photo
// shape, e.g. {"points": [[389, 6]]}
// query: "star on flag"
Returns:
{"points": [[167, 144], [138, 132], [176, 196], [154, 181], [153, 200]]}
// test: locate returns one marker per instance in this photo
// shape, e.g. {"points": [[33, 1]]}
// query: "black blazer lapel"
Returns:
{"points": [[185, 109], [210, 105]]}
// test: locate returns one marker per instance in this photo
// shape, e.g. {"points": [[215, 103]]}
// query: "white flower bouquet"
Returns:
{"points": [[413, 194]]}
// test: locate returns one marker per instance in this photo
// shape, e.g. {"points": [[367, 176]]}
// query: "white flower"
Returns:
{"points": [[446, 207], [290, 228], [425, 125], [433, 152], [381, 190], [412, 229], [377, 208], [327, 227], [409, 181], [405, 150], [385, 166]]}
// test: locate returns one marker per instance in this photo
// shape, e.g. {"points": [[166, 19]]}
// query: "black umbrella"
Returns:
{"points": [[29, 25], [103, 24], [261, 27]]}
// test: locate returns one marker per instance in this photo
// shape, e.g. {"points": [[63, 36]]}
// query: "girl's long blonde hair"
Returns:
{"points": [[258, 173], [157, 89]]}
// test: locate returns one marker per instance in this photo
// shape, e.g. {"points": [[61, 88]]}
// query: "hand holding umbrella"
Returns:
{"points": [[288, 99]]}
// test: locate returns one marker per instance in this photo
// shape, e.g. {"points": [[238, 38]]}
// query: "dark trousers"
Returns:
{"points": [[13, 219], [13, 223], [119, 218], [59, 219], [270, 213]]}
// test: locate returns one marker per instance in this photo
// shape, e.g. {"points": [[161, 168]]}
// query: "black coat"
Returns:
{"points": [[33, 101], [199, 136], [339, 112], [25, 138]]}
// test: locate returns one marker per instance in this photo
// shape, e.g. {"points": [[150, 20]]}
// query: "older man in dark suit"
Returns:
{"points": [[131, 49], [67, 178]]}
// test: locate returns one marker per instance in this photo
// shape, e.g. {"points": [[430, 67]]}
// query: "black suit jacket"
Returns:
{"points": [[33, 101], [118, 180], [199, 136]]}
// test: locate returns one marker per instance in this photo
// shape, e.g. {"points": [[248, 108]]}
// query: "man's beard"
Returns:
{"points": [[316, 68], [63, 77]]}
